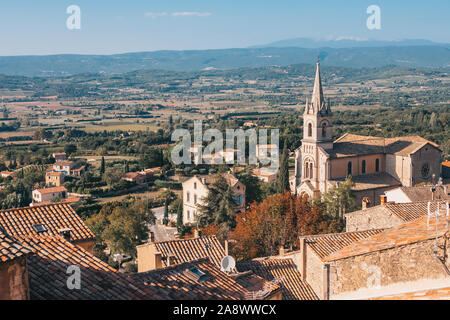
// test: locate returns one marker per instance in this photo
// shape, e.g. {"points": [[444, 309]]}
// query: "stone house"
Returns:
{"points": [[365, 264], [386, 215], [49, 194], [415, 194], [54, 179], [195, 189]]}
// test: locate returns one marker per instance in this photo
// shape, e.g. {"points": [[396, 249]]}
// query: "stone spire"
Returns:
{"points": [[317, 96]]}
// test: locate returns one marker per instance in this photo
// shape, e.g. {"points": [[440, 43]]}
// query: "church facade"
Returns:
{"points": [[375, 164]]}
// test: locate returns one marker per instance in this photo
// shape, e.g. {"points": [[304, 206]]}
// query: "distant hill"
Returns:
{"points": [[348, 43], [196, 60]]}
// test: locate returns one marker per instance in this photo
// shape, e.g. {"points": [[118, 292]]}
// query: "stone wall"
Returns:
{"points": [[14, 280], [384, 272], [370, 218]]}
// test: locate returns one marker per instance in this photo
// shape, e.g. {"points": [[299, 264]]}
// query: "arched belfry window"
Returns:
{"points": [[363, 166], [349, 168], [324, 129], [309, 130], [311, 174]]}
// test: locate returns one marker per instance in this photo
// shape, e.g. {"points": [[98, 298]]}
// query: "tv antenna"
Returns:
{"points": [[227, 264]]}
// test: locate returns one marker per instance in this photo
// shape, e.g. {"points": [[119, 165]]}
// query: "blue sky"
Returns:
{"points": [[39, 26]]}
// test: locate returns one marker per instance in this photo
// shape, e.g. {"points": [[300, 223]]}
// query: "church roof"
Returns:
{"points": [[352, 144], [371, 181]]}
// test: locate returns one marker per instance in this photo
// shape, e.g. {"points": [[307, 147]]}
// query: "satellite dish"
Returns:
{"points": [[228, 263]]}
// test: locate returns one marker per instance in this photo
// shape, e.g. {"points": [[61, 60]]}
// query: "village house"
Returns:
{"points": [[386, 215], [415, 194], [135, 177], [69, 168], [410, 257], [7, 174], [48, 220], [376, 164], [59, 156], [54, 179], [49, 194], [266, 174], [195, 189]]}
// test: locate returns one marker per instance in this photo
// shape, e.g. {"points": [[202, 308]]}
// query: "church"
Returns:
{"points": [[375, 164]]}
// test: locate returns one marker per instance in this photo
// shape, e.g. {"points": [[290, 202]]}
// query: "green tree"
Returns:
{"points": [[70, 149], [166, 212], [339, 199], [102, 166], [218, 207], [283, 172]]}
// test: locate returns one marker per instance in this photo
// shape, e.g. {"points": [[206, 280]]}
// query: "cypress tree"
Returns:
{"points": [[283, 172]]}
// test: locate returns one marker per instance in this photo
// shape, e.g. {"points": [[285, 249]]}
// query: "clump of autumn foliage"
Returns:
{"points": [[278, 221]]}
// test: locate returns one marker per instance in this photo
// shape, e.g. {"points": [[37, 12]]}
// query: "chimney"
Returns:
{"points": [[158, 260], [152, 236], [226, 248], [303, 258], [65, 233], [383, 199], [197, 233]]}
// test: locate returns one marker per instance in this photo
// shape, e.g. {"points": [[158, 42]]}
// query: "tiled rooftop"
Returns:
{"points": [[180, 284], [20, 221], [371, 181], [258, 287], [10, 248], [404, 211], [424, 193], [352, 144], [52, 190], [407, 233], [283, 271], [191, 249], [326, 244], [48, 275]]}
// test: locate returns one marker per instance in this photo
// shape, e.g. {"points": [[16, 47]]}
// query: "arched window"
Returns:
{"points": [[306, 169], [195, 199], [311, 175], [187, 196], [324, 129], [349, 168], [363, 166], [377, 165], [309, 130]]}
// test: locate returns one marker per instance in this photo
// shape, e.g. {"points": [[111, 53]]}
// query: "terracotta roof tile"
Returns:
{"points": [[190, 249], [407, 233], [285, 272], [180, 285], [20, 221], [48, 275], [10, 248], [324, 245], [404, 211]]}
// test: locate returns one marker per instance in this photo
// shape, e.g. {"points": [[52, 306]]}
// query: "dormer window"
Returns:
{"points": [[39, 228]]}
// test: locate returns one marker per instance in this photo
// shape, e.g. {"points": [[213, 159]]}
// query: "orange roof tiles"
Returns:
{"points": [[48, 275], [20, 221], [285, 272], [404, 211], [404, 234], [179, 285], [10, 248], [324, 245], [51, 190], [190, 249], [353, 144]]}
